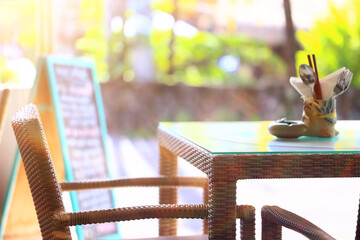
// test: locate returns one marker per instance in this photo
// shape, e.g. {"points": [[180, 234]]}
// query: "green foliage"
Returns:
{"points": [[335, 40], [196, 58], [116, 48], [18, 20], [183, 6], [94, 42], [119, 54], [163, 5]]}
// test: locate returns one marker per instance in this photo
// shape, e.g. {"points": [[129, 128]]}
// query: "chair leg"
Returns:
{"points": [[167, 227], [270, 231], [246, 213], [168, 166], [206, 201]]}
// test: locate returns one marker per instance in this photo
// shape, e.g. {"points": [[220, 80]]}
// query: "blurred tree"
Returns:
{"points": [[208, 58], [17, 25], [335, 40], [118, 47], [291, 41], [18, 35], [94, 42], [171, 45], [197, 60]]}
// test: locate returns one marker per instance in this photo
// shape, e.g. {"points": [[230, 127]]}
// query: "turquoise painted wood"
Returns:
{"points": [[10, 157]]}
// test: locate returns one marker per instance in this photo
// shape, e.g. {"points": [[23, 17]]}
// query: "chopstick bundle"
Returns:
{"points": [[317, 87]]}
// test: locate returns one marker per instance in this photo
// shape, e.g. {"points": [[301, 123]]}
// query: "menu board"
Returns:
{"points": [[81, 125]]}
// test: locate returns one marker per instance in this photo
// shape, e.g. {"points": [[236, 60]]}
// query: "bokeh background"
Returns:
{"points": [[195, 60], [186, 59]]}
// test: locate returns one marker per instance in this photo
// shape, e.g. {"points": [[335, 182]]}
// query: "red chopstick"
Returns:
{"points": [[317, 87], [309, 60]]}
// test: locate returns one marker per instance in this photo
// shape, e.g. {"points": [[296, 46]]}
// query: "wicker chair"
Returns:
{"points": [[46, 190], [274, 218]]}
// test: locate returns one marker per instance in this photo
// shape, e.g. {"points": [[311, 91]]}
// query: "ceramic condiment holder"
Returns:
{"points": [[319, 117]]}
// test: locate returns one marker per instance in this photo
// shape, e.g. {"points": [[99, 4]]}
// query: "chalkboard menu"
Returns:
{"points": [[81, 127]]}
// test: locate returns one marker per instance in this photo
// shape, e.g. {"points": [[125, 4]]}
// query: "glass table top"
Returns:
{"points": [[253, 137]]}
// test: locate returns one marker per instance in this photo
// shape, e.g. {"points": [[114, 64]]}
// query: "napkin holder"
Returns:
{"points": [[319, 117]]}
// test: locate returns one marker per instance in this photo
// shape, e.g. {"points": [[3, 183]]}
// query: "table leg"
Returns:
{"points": [[222, 213], [168, 166]]}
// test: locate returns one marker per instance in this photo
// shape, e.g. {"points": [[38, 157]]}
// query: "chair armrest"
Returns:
{"points": [[198, 211], [274, 217], [133, 213], [165, 181]]}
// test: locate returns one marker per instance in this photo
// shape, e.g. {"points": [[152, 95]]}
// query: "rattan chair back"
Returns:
{"points": [[45, 189], [274, 218]]}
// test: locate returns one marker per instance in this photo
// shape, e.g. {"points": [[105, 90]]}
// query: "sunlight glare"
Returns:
{"points": [[163, 21], [117, 24], [185, 29]]}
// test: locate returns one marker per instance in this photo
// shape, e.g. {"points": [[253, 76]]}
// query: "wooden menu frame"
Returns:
{"points": [[57, 79], [5, 183], [4, 100], [11, 211]]}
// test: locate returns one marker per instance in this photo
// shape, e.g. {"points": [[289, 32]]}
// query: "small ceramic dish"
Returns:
{"points": [[284, 128]]}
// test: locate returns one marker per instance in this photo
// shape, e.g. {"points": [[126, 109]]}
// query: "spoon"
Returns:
{"points": [[340, 85], [343, 83], [348, 80], [308, 76], [328, 83]]}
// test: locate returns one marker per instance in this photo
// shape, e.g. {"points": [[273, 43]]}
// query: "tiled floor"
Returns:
{"points": [[329, 203]]}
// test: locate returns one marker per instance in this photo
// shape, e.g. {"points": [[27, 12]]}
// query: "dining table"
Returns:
{"points": [[237, 150]]}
